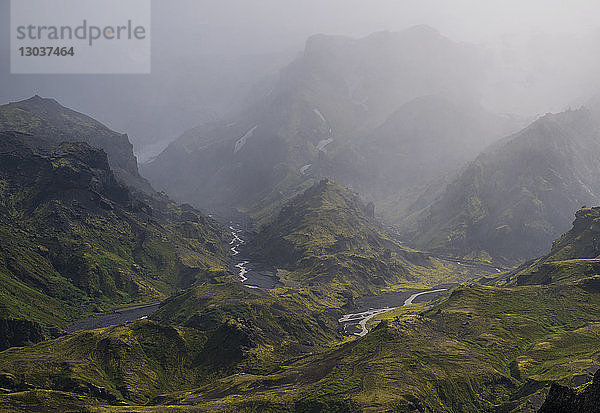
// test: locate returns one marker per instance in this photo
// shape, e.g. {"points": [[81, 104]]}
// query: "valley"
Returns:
{"points": [[321, 275], [363, 230]]}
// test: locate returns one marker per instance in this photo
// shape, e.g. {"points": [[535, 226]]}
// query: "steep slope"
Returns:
{"points": [[515, 198], [74, 240], [313, 121], [52, 123], [328, 237], [573, 259], [325, 234]]}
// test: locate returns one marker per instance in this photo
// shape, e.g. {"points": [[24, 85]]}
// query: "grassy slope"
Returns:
{"points": [[328, 236], [479, 348], [76, 241]]}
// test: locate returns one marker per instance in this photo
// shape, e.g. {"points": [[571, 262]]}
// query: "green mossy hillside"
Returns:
{"points": [[574, 258], [480, 349], [74, 240], [328, 236], [132, 363]]}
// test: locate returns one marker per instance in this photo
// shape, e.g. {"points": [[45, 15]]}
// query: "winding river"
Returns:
{"points": [[254, 275], [358, 321]]}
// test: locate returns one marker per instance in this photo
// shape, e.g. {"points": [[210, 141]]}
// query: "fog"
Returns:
{"points": [[212, 58]]}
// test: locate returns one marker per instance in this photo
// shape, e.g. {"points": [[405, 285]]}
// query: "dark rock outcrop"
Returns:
{"points": [[565, 400], [18, 333]]}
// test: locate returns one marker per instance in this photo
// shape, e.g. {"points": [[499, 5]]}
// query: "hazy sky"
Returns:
{"points": [[254, 24], [188, 33], [238, 26]]}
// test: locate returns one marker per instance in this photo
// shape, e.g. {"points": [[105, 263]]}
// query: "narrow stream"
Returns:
{"points": [[251, 274]]}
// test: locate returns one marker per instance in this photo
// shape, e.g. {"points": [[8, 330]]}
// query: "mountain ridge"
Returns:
{"points": [[49, 120]]}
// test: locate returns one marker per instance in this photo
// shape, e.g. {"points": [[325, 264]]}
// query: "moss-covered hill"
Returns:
{"points": [[478, 348], [517, 196], [130, 363], [327, 236], [481, 349], [52, 124], [336, 253], [74, 240]]}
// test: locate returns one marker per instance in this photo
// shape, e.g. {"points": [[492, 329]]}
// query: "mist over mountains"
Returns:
{"points": [[396, 220], [513, 198], [204, 67], [321, 118]]}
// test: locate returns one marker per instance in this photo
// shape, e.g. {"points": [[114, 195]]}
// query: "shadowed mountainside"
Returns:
{"points": [[52, 124], [74, 240], [515, 198]]}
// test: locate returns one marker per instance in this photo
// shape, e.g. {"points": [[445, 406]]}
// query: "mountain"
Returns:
{"points": [[220, 345], [76, 241], [477, 348], [319, 118], [515, 198], [327, 236], [52, 123]]}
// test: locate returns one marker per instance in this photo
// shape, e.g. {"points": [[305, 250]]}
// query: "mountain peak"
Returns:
{"points": [[38, 100], [52, 123]]}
